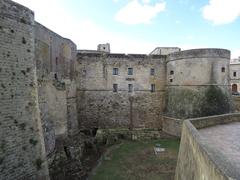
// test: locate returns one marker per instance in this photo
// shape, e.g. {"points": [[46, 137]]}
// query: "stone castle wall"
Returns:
{"points": [[198, 83], [55, 57], [22, 152], [99, 106], [196, 160]]}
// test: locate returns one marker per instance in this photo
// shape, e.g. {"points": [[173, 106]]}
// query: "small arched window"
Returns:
{"points": [[171, 72], [223, 69]]}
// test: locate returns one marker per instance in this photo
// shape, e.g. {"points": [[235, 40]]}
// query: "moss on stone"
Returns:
{"points": [[38, 163], [33, 142], [191, 103], [216, 102]]}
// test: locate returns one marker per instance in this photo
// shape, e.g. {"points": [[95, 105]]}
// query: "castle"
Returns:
{"points": [[50, 90]]}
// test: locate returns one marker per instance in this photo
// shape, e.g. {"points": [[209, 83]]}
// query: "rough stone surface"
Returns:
{"points": [[55, 57], [223, 142], [22, 152], [196, 84], [206, 151], [172, 126], [99, 106]]}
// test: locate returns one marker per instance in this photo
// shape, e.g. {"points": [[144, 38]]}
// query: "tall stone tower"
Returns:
{"points": [[198, 83], [22, 153]]}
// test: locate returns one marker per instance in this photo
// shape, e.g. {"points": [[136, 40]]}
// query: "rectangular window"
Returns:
{"points": [[115, 87], [152, 87], [235, 74], [115, 71], [130, 88], [152, 72], [171, 72], [130, 71]]}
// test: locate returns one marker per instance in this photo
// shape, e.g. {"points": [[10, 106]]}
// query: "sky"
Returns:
{"points": [[138, 26]]}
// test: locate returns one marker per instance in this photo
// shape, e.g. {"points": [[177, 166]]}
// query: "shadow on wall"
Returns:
{"points": [[209, 101]]}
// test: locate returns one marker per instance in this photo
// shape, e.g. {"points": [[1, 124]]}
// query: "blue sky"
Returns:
{"points": [[138, 26]]}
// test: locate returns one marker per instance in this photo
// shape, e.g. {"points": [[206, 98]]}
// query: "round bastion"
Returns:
{"points": [[198, 83]]}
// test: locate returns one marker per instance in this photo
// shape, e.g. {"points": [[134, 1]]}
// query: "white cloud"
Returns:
{"points": [[189, 37], [85, 33], [146, 1], [235, 53], [136, 12], [178, 22], [222, 11]]}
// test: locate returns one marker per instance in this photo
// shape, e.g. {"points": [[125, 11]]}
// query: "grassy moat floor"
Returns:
{"points": [[136, 160]]}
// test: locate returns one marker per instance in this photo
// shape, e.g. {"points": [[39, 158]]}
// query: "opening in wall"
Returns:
{"points": [[55, 76], [152, 72], [130, 88], [115, 87], [234, 74], [115, 71], [130, 71], [152, 87], [171, 72], [223, 69]]}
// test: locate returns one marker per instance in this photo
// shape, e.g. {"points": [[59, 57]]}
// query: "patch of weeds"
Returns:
{"points": [[38, 163], [33, 142]]}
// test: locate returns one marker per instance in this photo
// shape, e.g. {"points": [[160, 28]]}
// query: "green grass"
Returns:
{"points": [[136, 160]]}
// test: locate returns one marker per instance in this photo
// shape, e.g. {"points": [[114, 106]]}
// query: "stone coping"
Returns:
{"points": [[90, 53], [218, 161], [199, 53]]}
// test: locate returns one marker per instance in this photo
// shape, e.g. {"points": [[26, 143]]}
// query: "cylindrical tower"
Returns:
{"points": [[198, 83], [22, 152]]}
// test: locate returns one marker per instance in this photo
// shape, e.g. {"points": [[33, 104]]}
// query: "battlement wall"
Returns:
{"points": [[22, 152], [199, 159], [99, 106]]}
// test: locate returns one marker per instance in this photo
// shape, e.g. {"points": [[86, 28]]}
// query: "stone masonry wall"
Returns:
{"points": [[55, 57], [99, 106], [196, 160], [198, 83], [22, 152]]}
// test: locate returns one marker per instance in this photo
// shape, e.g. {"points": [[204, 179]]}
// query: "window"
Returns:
{"points": [[56, 60], [171, 80], [130, 88], [235, 74], [171, 72], [130, 71], [115, 71], [152, 87], [55, 76], [115, 87], [223, 69], [152, 72]]}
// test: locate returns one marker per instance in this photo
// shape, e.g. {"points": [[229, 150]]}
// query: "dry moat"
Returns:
{"points": [[138, 160]]}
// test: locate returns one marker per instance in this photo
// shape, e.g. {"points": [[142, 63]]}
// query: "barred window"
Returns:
{"points": [[130, 71], [152, 72], [115, 71]]}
